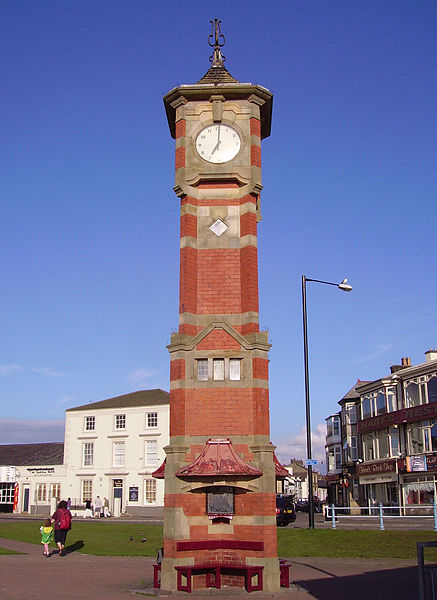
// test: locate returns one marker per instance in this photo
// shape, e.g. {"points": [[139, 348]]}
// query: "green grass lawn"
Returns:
{"points": [[353, 543], [100, 538], [113, 539]]}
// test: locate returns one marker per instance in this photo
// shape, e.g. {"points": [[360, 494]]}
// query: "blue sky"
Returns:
{"points": [[89, 223]]}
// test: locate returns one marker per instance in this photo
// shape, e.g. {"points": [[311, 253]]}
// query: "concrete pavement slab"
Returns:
{"points": [[77, 576]]}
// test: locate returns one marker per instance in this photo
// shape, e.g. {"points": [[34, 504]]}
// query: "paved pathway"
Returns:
{"points": [[77, 576]]}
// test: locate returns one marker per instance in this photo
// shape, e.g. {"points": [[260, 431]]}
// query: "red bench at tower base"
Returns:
{"points": [[284, 572], [213, 573]]}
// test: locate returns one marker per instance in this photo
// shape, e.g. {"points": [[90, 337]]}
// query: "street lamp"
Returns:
{"points": [[345, 287]]}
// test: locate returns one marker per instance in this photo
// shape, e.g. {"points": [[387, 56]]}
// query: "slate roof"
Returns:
{"points": [[352, 394], [18, 455], [216, 75], [140, 398]]}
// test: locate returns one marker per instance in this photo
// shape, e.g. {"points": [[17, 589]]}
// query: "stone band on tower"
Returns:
{"points": [[219, 471]]}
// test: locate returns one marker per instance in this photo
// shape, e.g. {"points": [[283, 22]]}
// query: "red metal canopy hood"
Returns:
{"points": [[218, 457]]}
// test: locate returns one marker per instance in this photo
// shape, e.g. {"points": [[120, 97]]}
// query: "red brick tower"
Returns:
{"points": [[219, 473]]}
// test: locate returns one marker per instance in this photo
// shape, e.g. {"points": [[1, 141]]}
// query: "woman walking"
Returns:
{"points": [[62, 521]]}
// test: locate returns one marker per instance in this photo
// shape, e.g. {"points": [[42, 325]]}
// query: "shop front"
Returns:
{"points": [[418, 478], [381, 483]]}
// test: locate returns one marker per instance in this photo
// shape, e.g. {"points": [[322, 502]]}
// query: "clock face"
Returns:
{"points": [[218, 143]]}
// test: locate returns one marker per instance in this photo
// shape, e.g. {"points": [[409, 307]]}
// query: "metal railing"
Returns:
{"points": [[332, 512], [427, 573]]}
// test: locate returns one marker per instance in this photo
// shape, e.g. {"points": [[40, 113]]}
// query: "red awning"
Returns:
{"points": [[280, 471], [218, 457], [160, 472]]}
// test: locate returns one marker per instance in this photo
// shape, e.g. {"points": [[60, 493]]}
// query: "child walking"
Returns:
{"points": [[47, 533]]}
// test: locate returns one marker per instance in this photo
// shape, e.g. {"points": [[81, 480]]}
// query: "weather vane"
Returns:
{"points": [[216, 40]]}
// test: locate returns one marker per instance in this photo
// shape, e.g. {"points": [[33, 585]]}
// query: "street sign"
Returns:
{"points": [[311, 461]]}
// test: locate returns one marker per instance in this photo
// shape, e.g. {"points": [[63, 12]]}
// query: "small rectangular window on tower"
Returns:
{"points": [[235, 369], [219, 369], [202, 369]]}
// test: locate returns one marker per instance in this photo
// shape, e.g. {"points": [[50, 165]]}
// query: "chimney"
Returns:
{"points": [[405, 363], [431, 354]]}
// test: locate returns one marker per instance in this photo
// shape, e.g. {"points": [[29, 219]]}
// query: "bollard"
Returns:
{"points": [[381, 520], [434, 506], [333, 515]]}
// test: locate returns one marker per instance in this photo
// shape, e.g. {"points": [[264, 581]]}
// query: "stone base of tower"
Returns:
{"points": [[195, 536]]}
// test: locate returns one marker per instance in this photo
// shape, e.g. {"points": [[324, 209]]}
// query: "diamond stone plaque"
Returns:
{"points": [[218, 227]]}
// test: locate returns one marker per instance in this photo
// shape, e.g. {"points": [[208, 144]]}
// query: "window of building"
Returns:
{"points": [[394, 441], [118, 449], [120, 421], [351, 414], [383, 450], [90, 423], [338, 461], [432, 390], [41, 492], [152, 419], [219, 369], [7, 493], [149, 491], [86, 490], [412, 395], [234, 369], [151, 453], [354, 448], [422, 437], [365, 408], [380, 404], [391, 400], [368, 447], [55, 491], [333, 425], [87, 454], [202, 369]]}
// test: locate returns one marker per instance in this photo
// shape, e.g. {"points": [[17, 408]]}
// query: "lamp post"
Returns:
{"points": [[345, 287]]}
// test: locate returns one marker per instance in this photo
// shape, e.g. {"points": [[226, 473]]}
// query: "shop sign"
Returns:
{"points": [[40, 470], [408, 415], [133, 494], [381, 422], [384, 466], [7, 474], [332, 478], [431, 463], [378, 478], [416, 463]]}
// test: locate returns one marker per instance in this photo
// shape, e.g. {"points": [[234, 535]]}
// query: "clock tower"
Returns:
{"points": [[219, 469]]}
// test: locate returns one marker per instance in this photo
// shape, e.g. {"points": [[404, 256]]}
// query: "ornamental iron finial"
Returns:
{"points": [[216, 40]]}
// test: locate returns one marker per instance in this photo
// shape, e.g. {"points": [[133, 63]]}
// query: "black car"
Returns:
{"points": [[304, 506], [285, 512]]}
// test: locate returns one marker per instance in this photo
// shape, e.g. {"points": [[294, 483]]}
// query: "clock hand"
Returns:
{"points": [[215, 148]]}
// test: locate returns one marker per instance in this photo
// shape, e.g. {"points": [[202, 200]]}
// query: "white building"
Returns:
{"points": [[111, 449], [31, 476]]}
